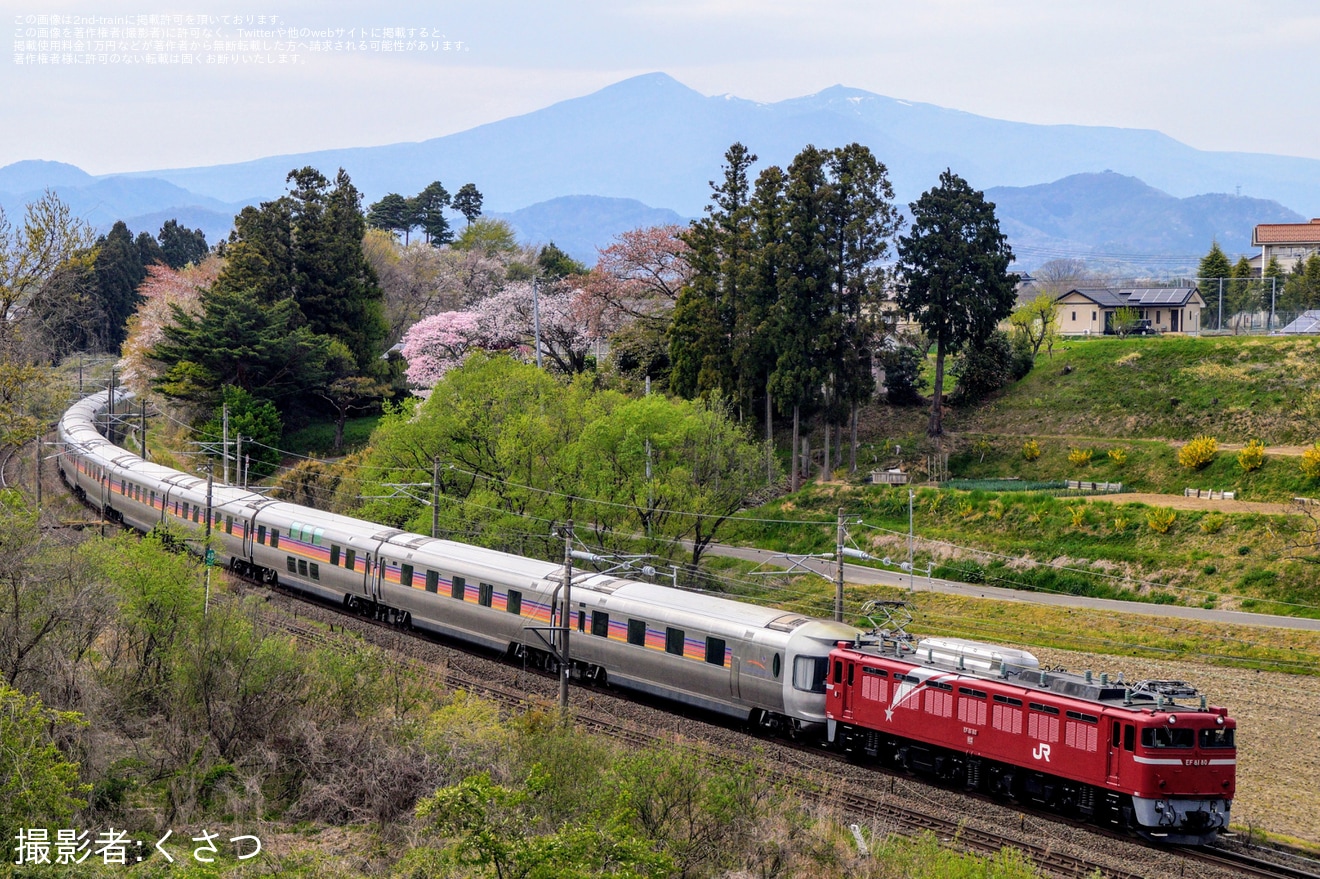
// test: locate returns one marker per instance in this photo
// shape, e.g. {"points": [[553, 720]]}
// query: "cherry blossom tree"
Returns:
{"points": [[436, 344], [642, 272], [162, 290]]}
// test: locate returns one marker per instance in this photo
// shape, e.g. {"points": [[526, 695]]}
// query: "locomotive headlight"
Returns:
{"points": [[1173, 718], [1219, 720]]}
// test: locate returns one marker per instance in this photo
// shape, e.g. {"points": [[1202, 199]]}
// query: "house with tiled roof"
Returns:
{"points": [[1090, 310], [1289, 243]]}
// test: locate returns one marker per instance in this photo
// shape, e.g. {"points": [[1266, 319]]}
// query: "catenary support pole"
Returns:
{"points": [[838, 586], [565, 662]]}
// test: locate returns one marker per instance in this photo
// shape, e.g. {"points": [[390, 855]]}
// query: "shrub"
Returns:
{"points": [[1160, 519], [1120, 524], [1118, 456], [1199, 452], [1311, 462], [1079, 515], [903, 380], [1031, 449], [1252, 456], [1212, 523], [1079, 457]]}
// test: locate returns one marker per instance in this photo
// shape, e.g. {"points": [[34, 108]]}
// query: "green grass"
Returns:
{"points": [[1039, 542], [1175, 387], [319, 439]]}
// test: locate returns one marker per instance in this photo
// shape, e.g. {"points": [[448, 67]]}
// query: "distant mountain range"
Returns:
{"points": [[651, 141]]}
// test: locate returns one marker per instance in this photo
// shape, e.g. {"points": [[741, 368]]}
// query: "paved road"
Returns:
{"points": [[865, 575]]}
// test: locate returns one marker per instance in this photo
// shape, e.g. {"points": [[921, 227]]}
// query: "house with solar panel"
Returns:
{"points": [[1090, 311]]}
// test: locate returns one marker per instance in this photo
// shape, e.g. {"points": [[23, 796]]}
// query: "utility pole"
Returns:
{"points": [[435, 496], [110, 408], [144, 429], [838, 586], [37, 470], [224, 439], [238, 461], [912, 571], [210, 477], [565, 663], [536, 320]]}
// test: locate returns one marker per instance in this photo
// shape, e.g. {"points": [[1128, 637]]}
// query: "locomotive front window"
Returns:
{"points": [[1167, 737], [1217, 738], [809, 673]]}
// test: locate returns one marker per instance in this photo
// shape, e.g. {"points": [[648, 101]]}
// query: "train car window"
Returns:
{"points": [[293, 565], [229, 524], [1118, 736], [261, 534], [295, 530], [777, 666], [600, 624], [302, 567], [185, 510], [315, 569], [637, 632], [674, 639], [868, 670], [941, 685], [432, 581], [1084, 718], [851, 669], [334, 556], [458, 589], [350, 559], [1129, 737], [1167, 737], [1008, 700], [1048, 709], [1217, 738], [405, 576], [715, 651], [317, 537], [838, 672], [809, 673], [968, 691], [274, 538], [514, 603], [582, 620], [485, 594]]}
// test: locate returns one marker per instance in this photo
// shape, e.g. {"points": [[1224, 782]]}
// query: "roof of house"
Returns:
{"points": [[1286, 233], [1107, 297]]}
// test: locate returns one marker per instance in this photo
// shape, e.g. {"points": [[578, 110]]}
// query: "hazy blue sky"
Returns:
{"points": [[1215, 74]]}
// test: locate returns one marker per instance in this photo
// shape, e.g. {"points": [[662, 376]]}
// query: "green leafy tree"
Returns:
{"points": [[38, 783], [1125, 319], [180, 245], [954, 269], [555, 263], [1301, 290], [49, 236], [486, 236], [1273, 278], [1037, 322], [903, 379], [1244, 291], [254, 419]]}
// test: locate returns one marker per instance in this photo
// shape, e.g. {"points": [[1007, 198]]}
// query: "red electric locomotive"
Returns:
{"points": [[990, 719]]}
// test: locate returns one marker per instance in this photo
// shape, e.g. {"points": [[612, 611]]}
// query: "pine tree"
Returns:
{"points": [[1213, 278], [180, 245], [390, 214], [954, 274], [429, 209], [119, 270], [467, 201]]}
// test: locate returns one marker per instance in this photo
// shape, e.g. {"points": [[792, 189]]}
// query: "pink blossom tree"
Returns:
{"points": [[436, 344]]}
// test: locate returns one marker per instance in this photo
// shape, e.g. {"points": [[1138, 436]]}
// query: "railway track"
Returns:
{"points": [[593, 712]]}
